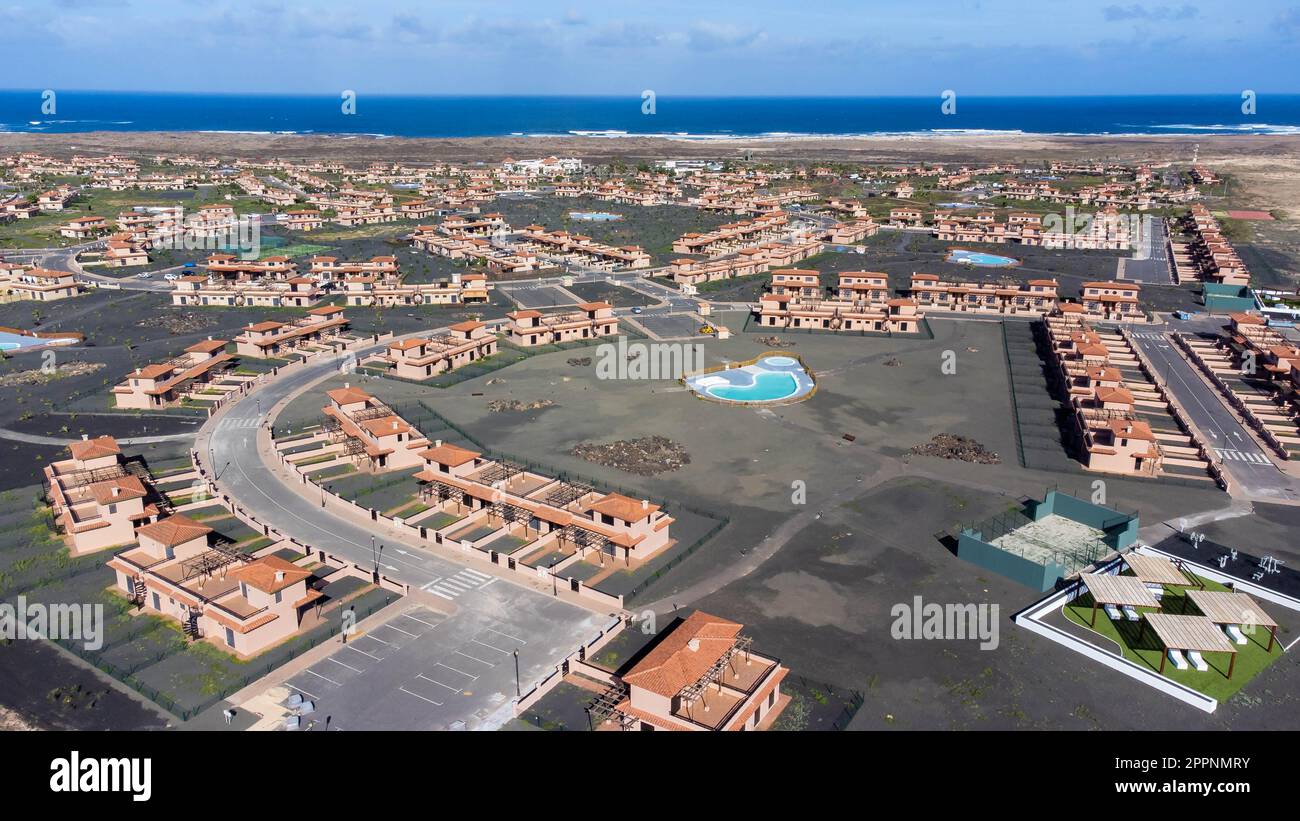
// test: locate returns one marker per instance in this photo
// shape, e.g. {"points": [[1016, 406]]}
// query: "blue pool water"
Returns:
{"points": [[771, 379], [13, 342], [594, 216], [765, 388], [980, 258]]}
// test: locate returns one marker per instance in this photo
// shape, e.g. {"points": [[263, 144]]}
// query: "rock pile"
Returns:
{"points": [[647, 456], [952, 446]]}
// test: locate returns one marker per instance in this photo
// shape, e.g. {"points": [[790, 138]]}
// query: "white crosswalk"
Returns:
{"points": [[231, 422], [1239, 456], [1147, 335], [451, 587]]}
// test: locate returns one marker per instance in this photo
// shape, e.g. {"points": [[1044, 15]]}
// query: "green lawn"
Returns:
{"points": [[1251, 657]]}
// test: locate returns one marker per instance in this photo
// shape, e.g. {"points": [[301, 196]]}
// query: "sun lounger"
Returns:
{"points": [[1113, 612], [1131, 614], [1177, 658], [1234, 633], [1194, 656]]}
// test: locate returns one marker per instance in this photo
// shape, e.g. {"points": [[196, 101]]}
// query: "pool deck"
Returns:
{"points": [[746, 376]]}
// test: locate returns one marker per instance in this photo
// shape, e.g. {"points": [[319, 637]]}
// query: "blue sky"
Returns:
{"points": [[700, 47]]}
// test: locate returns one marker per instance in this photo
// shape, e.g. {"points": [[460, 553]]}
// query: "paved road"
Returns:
{"points": [[1244, 460], [366, 690], [1150, 264]]}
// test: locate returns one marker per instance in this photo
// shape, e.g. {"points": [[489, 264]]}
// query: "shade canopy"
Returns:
{"points": [[1189, 633], [1156, 570], [1228, 607], [1119, 590]]}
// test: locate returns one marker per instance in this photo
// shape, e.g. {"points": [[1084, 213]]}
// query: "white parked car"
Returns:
{"points": [[171, 276], [144, 275]]}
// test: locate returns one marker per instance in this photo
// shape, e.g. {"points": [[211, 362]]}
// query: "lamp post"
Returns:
{"points": [[515, 653]]}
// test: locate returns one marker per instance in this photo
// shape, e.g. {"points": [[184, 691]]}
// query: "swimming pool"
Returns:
{"points": [[772, 378], [13, 342], [594, 216], [963, 257]]}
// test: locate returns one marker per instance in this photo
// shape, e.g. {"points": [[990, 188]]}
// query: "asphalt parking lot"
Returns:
{"points": [[540, 296], [426, 670], [672, 326]]}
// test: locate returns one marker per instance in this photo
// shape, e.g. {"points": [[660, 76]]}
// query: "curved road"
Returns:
{"points": [[431, 670]]}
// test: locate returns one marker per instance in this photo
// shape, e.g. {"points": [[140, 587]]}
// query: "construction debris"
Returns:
{"points": [[39, 376], [775, 342], [892, 362], [515, 406], [951, 446], [647, 456], [580, 361]]}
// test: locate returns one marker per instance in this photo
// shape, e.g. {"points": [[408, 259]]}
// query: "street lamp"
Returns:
{"points": [[515, 653]]}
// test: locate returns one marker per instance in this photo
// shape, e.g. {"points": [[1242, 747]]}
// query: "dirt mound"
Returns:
{"points": [[36, 376], [647, 456], [952, 446], [893, 362], [580, 361], [179, 322], [775, 342], [515, 406]]}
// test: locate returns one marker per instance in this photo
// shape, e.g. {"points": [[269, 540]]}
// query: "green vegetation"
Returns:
{"points": [[1142, 646]]}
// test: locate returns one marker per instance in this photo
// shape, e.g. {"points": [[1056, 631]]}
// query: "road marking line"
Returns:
{"points": [[400, 630], [421, 621], [443, 595], [341, 664], [318, 675], [454, 670], [475, 658], [363, 652], [299, 689], [376, 638], [491, 646], [476, 573], [507, 635], [420, 697], [439, 683]]}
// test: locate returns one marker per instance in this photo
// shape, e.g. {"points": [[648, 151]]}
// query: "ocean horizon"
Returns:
{"points": [[677, 118]]}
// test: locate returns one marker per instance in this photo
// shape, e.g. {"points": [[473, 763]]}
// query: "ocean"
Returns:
{"points": [[687, 118]]}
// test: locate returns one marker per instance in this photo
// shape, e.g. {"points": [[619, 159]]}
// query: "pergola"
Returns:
{"points": [[1231, 607], [1156, 570], [1187, 633], [1120, 591]]}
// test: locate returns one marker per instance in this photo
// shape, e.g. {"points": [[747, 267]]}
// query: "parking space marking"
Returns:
{"points": [[469, 676], [398, 629], [439, 683], [341, 664], [363, 652], [420, 697], [299, 689], [318, 675], [374, 637], [475, 658], [421, 621], [491, 646], [507, 635]]}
